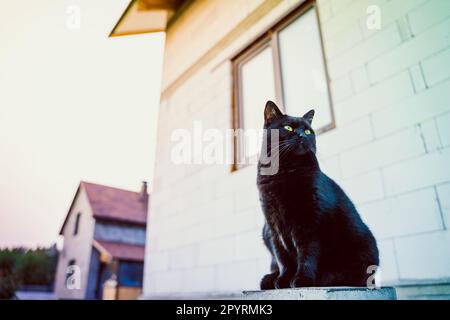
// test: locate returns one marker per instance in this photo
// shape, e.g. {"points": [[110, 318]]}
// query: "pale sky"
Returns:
{"points": [[74, 105]]}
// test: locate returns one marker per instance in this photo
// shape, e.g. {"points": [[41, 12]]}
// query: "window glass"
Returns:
{"points": [[258, 86], [303, 71], [131, 273]]}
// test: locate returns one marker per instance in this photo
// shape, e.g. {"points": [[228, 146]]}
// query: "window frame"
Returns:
{"points": [[270, 38]]}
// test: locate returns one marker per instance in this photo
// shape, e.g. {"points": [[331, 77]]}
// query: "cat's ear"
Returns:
{"points": [[271, 112], [309, 116]]}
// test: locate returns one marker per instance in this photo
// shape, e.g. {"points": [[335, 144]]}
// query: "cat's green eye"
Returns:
{"points": [[288, 128], [307, 131]]}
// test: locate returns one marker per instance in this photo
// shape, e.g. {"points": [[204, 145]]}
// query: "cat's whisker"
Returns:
{"points": [[279, 151], [282, 150]]}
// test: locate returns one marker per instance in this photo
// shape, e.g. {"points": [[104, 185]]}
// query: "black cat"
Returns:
{"points": [[313, 231]]}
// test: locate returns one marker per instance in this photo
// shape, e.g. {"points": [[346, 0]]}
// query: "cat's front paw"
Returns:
{"points": [[282, 282], [268, 281], [301, 282]]}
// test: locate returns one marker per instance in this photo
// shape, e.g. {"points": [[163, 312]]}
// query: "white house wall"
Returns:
{"points": [[390, 150], [76, 247]]}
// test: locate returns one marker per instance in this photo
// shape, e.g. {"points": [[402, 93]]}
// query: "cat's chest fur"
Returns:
{"points": [[290, 200]]}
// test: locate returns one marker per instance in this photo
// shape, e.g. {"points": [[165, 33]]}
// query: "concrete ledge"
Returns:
{"points": [[336, 293]]}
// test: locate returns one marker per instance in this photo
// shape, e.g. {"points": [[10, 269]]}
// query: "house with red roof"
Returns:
{"points": [[104, 244]]}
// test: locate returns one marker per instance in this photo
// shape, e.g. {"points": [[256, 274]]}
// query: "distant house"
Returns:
{"points": [[104, 242], [377, 74]]}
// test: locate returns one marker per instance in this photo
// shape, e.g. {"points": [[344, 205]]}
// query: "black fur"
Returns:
{"points": [[313, 231]]}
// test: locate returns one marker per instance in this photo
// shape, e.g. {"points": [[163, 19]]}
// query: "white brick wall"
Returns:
{"points": [[365, 187], [424, 171], [415, 212], [382, 152], [424, 256], [390, 149], [444, 201], [432, 67], [389, 271]]}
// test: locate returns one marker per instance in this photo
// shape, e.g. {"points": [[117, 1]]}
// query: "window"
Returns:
{"points": [[69, 269], [77, 223], [286, 64], [131, 273]]}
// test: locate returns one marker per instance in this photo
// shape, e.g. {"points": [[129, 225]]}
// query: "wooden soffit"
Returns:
{"points": [[145, 16]]}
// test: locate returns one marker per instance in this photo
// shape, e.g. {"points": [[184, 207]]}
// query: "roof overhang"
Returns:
{"points": [[145, 16], [61, 231], [105, 256], [110, 251]]}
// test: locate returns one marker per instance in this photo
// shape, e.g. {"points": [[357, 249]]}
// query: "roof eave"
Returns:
{"points": [[145, 16], [70, 210]]}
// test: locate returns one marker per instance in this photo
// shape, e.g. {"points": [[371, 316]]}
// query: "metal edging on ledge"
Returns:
{"points": [[325, 293]]}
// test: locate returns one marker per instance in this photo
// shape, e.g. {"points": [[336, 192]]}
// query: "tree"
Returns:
{"points": [[8, 284], [25, 267]]}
